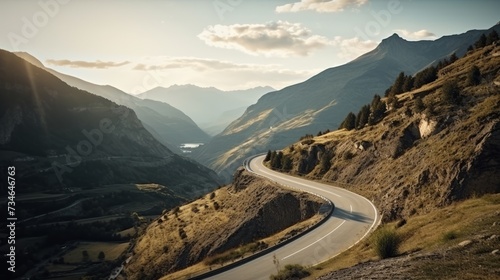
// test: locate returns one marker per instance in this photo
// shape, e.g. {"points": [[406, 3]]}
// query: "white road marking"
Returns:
{"points": [[315, 241], [299, 183]]}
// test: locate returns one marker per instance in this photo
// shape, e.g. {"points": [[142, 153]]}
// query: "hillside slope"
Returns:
{"points": [[168, 124], [249, 209], [321, 102], [61, 137], [415, 161]]}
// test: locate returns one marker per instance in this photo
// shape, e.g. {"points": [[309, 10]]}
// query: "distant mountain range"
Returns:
{"points": [[212, 109], [168, 124], [279, 118], [62, 137]]}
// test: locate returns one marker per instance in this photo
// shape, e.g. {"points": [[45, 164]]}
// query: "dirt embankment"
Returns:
{"points": [[249, 209]]}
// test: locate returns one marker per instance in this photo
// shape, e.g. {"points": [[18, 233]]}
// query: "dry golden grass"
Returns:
{"points": [[211, 225], [436, 231]]}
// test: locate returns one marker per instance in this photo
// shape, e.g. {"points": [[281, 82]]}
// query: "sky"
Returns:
{"points": [[227, 44]]}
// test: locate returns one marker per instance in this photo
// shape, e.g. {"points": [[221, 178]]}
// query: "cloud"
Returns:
{"points": [[353, 47], [86, 64], [198, 64], [417, 35], [321, 6], [279, 38]]}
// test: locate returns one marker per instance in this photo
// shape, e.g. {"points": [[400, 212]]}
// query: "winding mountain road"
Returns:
{"points": [[352, 220]]}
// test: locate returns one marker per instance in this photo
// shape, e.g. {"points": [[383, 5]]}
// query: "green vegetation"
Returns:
{"points": [[484, 41], [291, 271], [279, 161], [369, 114], [419, 105], [450, 92], [387, 243], [236, 253], [349, 122], [436, 233], [473, 76], [450, 235]]}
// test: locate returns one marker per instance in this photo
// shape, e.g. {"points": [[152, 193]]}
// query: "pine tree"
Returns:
{"points": [[451, 92], [268, 156], [276, 162], [362, 118], [473, 76], [425, 76], [492, 37], [377, 110], [453, 57], [397, 87], [481, 42], [287, 163], [272, 157], [349, 122], [408, 83]]}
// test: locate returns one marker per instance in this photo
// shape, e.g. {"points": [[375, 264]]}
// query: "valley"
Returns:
{"points": [[225, 148]]}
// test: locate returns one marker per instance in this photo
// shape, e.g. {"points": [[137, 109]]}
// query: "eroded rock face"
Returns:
{"points": [[427, 127], [249, 209], [414, 165]]}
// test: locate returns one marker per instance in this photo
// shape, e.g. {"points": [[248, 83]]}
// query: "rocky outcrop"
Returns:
{"points": [[415, 162]]}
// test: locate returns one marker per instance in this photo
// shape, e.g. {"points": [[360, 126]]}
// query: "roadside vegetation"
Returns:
{"points": [[431, 246], [291, 271]]}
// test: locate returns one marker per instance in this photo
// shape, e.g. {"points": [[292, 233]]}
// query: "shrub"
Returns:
{"points": [[216, 206], [291, 271], [347, 156], [419, 105], [451, 92], [450, 235], [473, 76], [386, 243]]}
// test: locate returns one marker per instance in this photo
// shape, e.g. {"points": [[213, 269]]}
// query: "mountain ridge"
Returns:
{"points": [[322, 101], [82, 137], [167, 123], [202, 103]]}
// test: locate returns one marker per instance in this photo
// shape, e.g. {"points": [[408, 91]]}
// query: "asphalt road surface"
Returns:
{"points": [[352, 220]]}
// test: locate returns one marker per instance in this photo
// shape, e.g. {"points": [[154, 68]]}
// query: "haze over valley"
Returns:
{"points": [[289, 139]]}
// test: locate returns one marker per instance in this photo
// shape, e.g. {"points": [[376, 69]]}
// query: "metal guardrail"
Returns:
{"points": [[326, 214]]}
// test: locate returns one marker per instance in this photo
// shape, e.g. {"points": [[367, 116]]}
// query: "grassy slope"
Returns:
{"points": [[226, 219], [431, 171], [434, 226], [430, 249]]}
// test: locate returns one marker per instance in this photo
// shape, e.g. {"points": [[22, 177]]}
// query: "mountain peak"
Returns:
{"points": [[392, 41], [393, 38]]}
